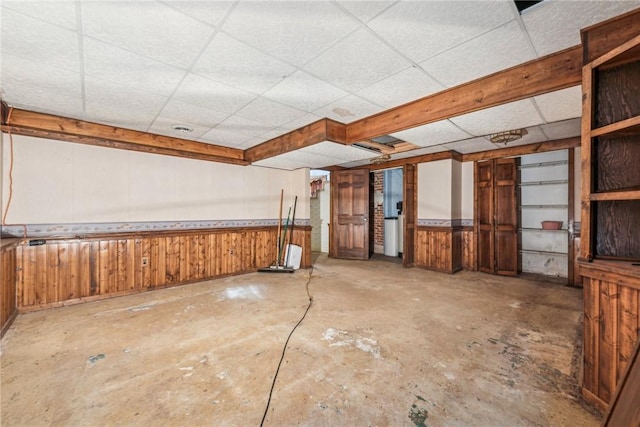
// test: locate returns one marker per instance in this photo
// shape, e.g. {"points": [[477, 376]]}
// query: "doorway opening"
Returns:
{"points": [[387, 231]]}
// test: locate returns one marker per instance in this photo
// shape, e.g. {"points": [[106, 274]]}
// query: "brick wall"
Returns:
{"points": [[316, 224]]}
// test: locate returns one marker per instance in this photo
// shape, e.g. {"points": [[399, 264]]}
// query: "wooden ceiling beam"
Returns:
{"points": [[520, 150], [23, 122], [552, 72], [311, 134]]}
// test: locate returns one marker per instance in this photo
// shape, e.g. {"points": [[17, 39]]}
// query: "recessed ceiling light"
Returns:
{"points": [[182, 128]]}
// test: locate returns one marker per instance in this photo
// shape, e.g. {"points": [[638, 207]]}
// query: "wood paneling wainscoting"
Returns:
{"points": [[8, 303], [439, 248], [66, 271], [469, 260], [611, 325]]}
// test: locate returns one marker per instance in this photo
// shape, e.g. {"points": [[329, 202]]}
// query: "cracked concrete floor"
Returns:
{"points": [[381, 345]]}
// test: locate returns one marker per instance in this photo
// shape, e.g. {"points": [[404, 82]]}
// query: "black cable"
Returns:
{"points": [[284, 349]]}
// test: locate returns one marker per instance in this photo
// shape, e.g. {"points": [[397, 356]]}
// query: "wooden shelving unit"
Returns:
{"points": [[610, 251]]}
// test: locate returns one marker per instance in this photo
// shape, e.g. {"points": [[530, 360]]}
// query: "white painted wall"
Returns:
{"points": [[435, 190], [60, 182], [456, 189], [466, 191]]}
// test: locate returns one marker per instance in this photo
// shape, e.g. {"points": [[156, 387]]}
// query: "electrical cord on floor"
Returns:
{"points": [[284, 349]]}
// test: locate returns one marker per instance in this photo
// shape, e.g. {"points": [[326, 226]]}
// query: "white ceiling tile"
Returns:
{"points": [[39, 41], [365, 10], [147, 28], [183, 112], [225, 138], [419, 152], [348, 109], [52, 81], [238, 65], [300, 122], [407, 85], [472, 145], [432, 134], [243, 126], [128, 69], [164, 126], [110, 102], [269, 113], [35, 99], [421, 29], [355, 164], [279, 163], [209, 12], [357, 61], [563, 129], [560, 105], [213, 95], [555, 25], [340, 152], [59, 12], [294, 32], [304, 92], [514, 115], [493, 51]]}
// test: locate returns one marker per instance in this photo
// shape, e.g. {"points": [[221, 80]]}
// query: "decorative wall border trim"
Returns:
{"points": [[445, 222], [76, 229]]}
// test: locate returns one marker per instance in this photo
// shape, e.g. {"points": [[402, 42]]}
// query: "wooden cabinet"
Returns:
{"points": [[610, 202], [496, 216]]}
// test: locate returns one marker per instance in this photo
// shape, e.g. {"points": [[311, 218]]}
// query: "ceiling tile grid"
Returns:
{"points": [[241, 66], [147, 28], [405, 86], [39, 41], [357, 61], [348, 109], [495, 50], [241, 73], [561, 104], [472, 145], [422, 29], [432, 134], [557, 24], [128, 69], [514, 115], [295, 32]]}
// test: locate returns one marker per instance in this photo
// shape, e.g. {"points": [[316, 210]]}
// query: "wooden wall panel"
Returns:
{"points": [[439, 248], [8, 305], [469, 260], [62, 272], [611, 329]]}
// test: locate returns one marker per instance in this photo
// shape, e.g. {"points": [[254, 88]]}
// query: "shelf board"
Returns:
{"points": [[543, 206], [533, 251], [544, 164], [554, 182], [624, 127], [625, 194], [564, 230]]}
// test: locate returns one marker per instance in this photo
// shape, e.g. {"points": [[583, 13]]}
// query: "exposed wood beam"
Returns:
{"points": [[322, 130], [553, 72], [384, 149], [4, 112], [604, 36], [23, 122], [539, 147]]}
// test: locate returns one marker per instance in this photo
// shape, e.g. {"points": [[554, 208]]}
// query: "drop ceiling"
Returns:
{"points": [[241, 73]]}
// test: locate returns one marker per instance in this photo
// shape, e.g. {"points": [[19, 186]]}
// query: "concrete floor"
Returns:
{"points": [[380, 346]]}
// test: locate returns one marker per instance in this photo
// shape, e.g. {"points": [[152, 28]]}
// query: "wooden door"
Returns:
{"points": [[409, 210], [497, 216], [350, 213]]}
